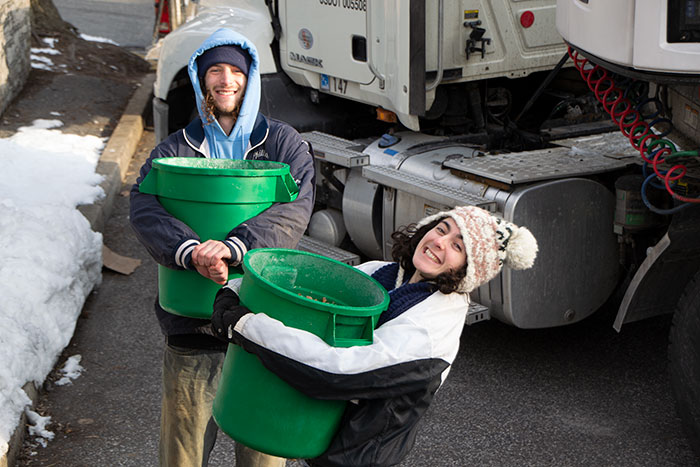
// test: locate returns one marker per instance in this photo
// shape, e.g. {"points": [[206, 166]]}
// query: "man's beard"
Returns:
{"points": [[211, 111]]}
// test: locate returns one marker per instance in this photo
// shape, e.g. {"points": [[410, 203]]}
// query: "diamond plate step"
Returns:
{"points": [[424, 188], [533, 166], [612, 144], [311, 245], [336, 150]]}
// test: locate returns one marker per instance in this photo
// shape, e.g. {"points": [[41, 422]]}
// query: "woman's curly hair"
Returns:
{"points": [[406, 241]]}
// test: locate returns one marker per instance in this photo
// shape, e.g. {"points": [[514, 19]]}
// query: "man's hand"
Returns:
{"points": [[217, 273], [210, 260], [210, 253]]}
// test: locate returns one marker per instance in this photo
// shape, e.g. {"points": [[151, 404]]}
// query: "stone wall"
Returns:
{"points": [[15, 40]]}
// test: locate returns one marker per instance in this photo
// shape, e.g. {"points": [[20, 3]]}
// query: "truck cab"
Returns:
{"points": [[406, 57]]}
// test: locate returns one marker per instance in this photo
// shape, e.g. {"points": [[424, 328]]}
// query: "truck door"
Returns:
{"points": [[370, 51]]}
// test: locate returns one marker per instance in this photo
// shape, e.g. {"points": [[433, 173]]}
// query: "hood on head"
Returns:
{"points": [[235, 144]]}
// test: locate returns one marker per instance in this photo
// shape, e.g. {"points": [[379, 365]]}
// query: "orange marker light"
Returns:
{"points": [[386, 115]]}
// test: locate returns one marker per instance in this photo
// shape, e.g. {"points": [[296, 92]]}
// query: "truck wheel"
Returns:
{"points": [[684, 360]]}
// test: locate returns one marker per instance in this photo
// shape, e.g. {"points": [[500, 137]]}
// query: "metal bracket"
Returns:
{"points": [[339, 151], [318, 247], [673, 261], [476, 37], [476, 313]]}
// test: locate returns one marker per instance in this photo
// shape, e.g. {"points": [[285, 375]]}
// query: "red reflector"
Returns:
{"points": [[527, 18]]}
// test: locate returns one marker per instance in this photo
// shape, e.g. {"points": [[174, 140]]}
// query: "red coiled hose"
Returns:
{"points": [[632, 124]]}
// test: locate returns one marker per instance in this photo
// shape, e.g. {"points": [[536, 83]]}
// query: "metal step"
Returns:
{"points": [[336, 150], [424, 188], [533, 166], [612, 144], [318, 247], [477, 312]]}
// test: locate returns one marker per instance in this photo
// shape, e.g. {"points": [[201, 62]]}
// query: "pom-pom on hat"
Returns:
{"points": [[490, 243], [231, 54]]}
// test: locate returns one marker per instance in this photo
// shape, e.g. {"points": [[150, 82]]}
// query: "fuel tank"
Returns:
{"points": [[569, 212]]}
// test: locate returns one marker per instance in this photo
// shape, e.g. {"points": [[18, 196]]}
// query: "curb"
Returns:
{"points": [[113, 164], [117, 154]]}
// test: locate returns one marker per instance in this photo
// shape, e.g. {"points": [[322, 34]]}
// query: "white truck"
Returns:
{"points": [[414, 107]]}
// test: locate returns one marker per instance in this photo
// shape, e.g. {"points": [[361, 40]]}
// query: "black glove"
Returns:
{"points": [[227, 312]]}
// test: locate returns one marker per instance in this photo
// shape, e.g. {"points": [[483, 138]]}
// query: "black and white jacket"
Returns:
{"points": [[390, 383]]}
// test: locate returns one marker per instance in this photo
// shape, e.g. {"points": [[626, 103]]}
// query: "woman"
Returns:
{"points": [[391, 382]]}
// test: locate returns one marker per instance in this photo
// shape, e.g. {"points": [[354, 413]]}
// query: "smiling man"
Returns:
{"points": [[225, 77]]}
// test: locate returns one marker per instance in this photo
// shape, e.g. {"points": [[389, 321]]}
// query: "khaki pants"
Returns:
{"points": [[187, 429]]}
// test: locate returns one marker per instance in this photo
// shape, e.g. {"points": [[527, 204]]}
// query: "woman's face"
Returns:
{"points": [[440, 250]]}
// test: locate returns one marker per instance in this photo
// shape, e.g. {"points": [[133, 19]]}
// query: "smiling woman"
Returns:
{"points": [[426, 260], [488, 242], [392, 381], [440, 250]]}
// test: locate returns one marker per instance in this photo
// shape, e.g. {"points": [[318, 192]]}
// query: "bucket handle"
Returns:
{"points": [[342, 330], [149, 184], [287, 189]]}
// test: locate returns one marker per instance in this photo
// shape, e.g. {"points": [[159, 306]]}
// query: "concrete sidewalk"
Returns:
{"points": [[112, 165]]}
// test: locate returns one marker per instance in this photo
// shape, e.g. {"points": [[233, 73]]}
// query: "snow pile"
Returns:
{"points": [[71, 370], [97, 39], [51, 257], [38, 58], [41, 56], [37, 427]]}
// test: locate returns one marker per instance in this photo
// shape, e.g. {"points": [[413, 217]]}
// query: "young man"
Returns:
{"points": [[225, 75]]}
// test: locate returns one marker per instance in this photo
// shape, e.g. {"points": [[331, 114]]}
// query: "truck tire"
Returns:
{"points": [[684, 360]]}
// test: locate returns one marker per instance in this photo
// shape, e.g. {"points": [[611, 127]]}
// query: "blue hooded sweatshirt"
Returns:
{"points": [[221, 145]]}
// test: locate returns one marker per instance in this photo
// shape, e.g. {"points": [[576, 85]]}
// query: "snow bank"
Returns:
{"points": [[51, 257]]}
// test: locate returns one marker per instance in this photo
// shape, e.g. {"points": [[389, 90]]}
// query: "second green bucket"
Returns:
{"points": [[211, 196], [336, 302]]}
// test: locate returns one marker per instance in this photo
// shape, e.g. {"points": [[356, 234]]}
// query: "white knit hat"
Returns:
{"points": [[490, 243]]}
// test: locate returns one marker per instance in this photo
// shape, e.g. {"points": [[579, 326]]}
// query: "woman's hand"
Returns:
{"points": [[227, 312]]}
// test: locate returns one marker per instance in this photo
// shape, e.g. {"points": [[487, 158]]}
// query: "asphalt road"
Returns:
{"points": [[576, 396], [129, 23]]}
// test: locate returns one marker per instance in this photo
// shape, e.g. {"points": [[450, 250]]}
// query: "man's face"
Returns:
{"points": [[226, 84]]}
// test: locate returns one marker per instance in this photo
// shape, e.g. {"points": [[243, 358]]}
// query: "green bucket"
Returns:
{"points": [[332, 300], [211, 196]]}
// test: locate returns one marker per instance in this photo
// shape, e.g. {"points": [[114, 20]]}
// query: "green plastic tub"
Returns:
{"points": [[332, 300], [211, 196]]}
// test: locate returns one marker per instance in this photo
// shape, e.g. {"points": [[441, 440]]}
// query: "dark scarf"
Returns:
{"points": [[403, 297]]}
